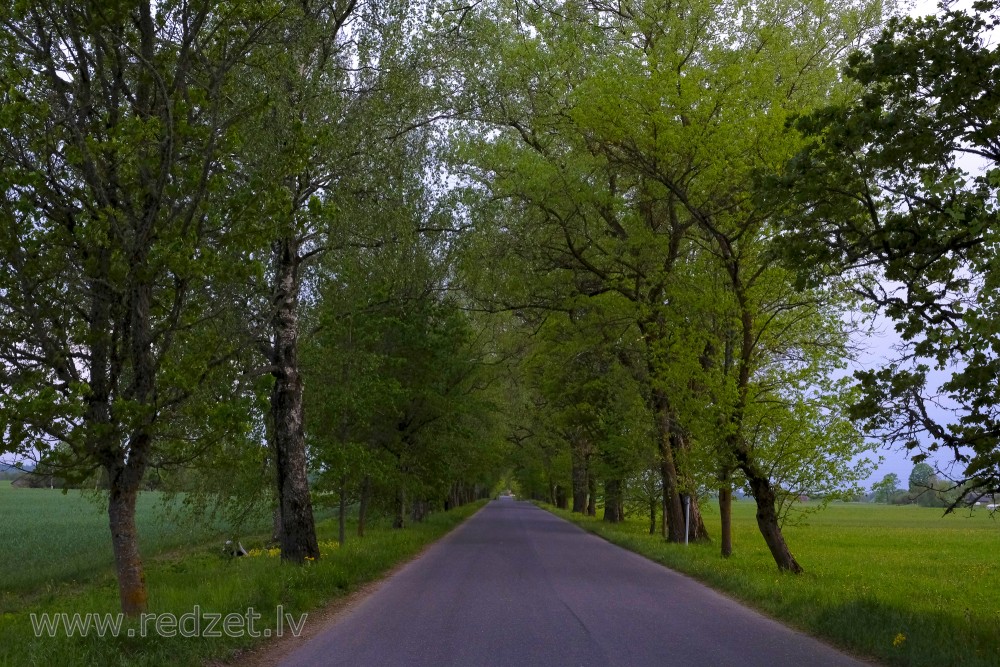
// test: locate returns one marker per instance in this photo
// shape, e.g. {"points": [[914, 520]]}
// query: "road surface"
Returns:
{"points": [[515, 585]]}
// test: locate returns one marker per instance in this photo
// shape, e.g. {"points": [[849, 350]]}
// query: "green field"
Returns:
{"points": [[65, 537], [897, 583], [57, 549]]}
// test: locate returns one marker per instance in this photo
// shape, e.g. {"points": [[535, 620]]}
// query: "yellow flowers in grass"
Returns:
{"points": [[899, 640], [328, 546], [271, 553]]}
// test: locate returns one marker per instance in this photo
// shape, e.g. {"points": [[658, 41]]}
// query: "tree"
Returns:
{"points": [[343, 77], [119, 257], [886, 489], [922, 477], [624, 139], [898, 189]]}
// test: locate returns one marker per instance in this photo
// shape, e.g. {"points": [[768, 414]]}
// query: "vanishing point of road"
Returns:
{"points": [[517, 586]]}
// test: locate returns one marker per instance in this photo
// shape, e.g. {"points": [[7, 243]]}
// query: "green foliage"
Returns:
{"points": [[898, 189], [922, 477], [612, 153], [886, 490], [119, 261]]}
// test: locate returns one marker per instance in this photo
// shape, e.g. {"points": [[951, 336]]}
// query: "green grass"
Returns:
{"points": [[900, 584], [66, 539], [180, 579]]}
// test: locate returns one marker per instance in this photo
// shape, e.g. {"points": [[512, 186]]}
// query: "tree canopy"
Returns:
{"points": [[387, 255]]}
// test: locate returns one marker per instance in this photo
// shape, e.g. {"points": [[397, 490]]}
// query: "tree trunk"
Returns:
{"points": [[653, 502], [767, 520], [673, 510], [276, 524], [578, 460], [126, 473], [342, 511], [726, 512], [562, 502], [366, 494], [591, 495], [298, 529], [613, 501], [419, 510], [125, 544], [400, 519]]}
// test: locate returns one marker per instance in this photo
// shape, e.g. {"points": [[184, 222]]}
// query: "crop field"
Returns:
{"points": [[50, 538], [900, 584]]}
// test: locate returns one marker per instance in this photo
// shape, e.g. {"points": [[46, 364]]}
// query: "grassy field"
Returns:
{"points": [[65, 537], [897, 583], [178, 578]]}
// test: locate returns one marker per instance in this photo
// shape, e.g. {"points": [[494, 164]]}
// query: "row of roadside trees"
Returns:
{"points": [[618, 246]]}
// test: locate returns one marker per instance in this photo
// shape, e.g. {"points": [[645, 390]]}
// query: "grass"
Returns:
{"points": [[180, 579], [66, 538], [901, 584]]}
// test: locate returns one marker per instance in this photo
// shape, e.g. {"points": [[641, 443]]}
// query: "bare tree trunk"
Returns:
{"points": [[591, 494], [125, 544], [366, 494], [673, 512], [400, 520], [767, 522], [562, 502], [342, 511], [298, 529], [613, 504], [578, 461], [767, 514], [276, 524], [726, 512], [653, 502]]}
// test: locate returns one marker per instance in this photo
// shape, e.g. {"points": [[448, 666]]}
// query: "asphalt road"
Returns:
{"points": [[515, 585]]}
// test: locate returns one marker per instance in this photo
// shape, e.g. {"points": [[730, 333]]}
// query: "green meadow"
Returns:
{"points": [[56, 558], [901, 584]]}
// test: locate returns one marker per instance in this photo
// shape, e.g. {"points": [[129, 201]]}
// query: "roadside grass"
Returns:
{"points": [[900, 584], [181, 579]]}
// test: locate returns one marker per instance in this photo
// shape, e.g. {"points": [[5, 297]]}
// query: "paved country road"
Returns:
{"points": [[515, 585]]}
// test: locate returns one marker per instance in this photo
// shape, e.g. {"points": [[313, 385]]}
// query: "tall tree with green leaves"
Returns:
{"points": [[343, 77], [625, 139], [119, 260], [898, 189]]}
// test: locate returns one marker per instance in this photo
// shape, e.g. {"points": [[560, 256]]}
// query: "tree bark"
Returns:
{"points": [[767, 522], [591, 494], [613, 504], [342, 511], [562, 502], [726, 512], [653, 502], [125, 544], [578, 460], [767, 515], [298, 529], [400, 519]]}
